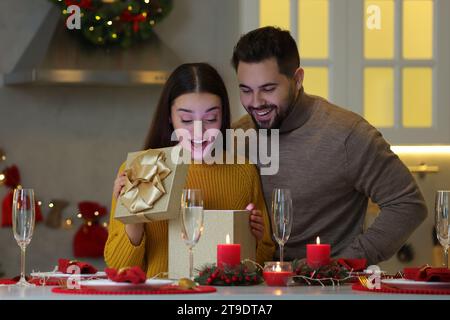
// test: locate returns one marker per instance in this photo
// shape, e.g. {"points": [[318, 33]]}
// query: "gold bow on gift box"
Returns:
{"points": [[144, 181]]}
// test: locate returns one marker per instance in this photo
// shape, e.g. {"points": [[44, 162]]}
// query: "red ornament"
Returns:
{"points": [[91, 237], [128, 17]]}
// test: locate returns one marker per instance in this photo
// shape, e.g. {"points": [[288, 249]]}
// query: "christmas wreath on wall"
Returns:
{"points": [[117, 22]]}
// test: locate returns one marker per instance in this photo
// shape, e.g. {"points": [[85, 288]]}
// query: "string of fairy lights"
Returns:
{"points": [[68, 222]]}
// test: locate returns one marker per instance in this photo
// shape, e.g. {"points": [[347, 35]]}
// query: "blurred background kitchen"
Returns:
{"points": [[71, 107]]}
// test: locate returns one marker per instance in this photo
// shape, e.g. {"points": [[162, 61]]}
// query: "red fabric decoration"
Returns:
{"points": [[353, 264], [91, 238], [427, 273], [85, 268], [12, 176], [90, 241], [85, 4], [36, 281], [128, 17], [388, 289], [134, 275]]}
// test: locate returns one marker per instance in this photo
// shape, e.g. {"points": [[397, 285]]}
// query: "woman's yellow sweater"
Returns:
{"points": [[224, 187]]}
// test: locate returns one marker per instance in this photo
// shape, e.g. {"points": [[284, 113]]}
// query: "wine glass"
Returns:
{"points": [[442, 222], [281, 217], [23, 225], [191, 221]]}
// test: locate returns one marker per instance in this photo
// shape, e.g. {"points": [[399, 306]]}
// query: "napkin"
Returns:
{"points": [[427, 273], [353, 264], [85, 268], [134, 275]]}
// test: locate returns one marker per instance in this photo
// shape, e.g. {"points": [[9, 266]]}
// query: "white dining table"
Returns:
{"points": [[254, 293]]}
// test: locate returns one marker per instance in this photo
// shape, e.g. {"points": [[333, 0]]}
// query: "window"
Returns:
{"points": [[378, 58]]}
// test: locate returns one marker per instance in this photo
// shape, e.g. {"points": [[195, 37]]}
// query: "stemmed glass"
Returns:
{"points": [[23, 225], [191, 221], [281, 217], [442, 222]]}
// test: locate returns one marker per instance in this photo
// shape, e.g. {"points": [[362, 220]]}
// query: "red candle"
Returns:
{"points": [[274, 275], [317, 255], [228, 254]]}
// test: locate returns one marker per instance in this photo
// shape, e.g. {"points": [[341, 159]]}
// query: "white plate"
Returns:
{"points": [[106, 284], [61, 276], [415, 285]]}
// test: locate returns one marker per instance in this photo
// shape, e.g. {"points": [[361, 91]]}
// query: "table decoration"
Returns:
{"points": [[85, 268], [246, 273], [318, 255], [228, 253], [390, 289], [336, 272], [133, 275], [277, 273], [149, 286], [35, 281], [427, 273]]}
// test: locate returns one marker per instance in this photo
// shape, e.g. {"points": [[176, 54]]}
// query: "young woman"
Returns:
{"points": [[193, 92]]}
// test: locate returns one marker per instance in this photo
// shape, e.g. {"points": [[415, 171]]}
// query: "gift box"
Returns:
{"points": [[155, 182], [216, 225]]}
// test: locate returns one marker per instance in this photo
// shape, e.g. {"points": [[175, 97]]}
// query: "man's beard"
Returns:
{"points": [[271, 123], [280, 113]]}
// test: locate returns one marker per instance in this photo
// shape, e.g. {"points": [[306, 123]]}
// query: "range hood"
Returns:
{"points": [[56, 56]]}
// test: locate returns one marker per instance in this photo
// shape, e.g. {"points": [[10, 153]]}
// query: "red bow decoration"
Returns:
{"points": [[128, 17], [85, 268], [91, 237], [12, 180], [134, 275], [85, 4]]}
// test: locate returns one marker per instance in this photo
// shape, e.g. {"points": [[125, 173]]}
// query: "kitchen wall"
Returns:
{"points": [[69, 141]]}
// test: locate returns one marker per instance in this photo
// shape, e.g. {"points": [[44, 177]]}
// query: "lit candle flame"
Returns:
{"points": [[228, 239], [317, 240], [278, 268]]}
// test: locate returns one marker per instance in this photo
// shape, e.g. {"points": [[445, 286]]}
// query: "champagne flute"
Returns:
{"points": [[191, 221], [442, 222], [281, 217], [23, 225]]}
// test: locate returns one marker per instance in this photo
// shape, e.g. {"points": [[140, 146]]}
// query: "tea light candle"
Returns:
{"points": [[274, 275], [228, 254], [317, 255]]}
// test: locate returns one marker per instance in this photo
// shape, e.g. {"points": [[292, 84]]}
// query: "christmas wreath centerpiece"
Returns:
{"points": [[337, 272], [245, 274], [116, 22]]}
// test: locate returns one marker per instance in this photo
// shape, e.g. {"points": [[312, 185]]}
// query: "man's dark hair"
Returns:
{"points": [[265, 43]]}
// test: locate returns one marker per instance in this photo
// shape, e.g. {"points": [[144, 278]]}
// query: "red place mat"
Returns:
{"points": [[385, 289], [38, 282], [167, 290]]}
